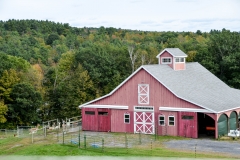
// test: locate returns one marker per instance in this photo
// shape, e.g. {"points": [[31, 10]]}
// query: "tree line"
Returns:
{"points": [[48, 69]]}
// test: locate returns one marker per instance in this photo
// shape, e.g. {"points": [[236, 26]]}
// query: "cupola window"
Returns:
{"points": [[180, 60], [166, 60]]}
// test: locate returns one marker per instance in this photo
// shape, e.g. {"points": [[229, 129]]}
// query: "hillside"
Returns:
{"points": [[48, 69]]}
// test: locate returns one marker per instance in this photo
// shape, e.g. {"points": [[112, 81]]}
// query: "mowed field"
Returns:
{"points": [[100, 145]]}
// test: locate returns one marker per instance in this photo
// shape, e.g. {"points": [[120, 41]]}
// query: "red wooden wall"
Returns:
{"points": [[179, 66], [117, 121], [166, 54], [128, 95]]}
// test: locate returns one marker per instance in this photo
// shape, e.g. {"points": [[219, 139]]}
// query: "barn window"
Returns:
{"points": [[162, 120], [90, 112], [127, 118], [181, 60], [103, 113], [171, 121], [187, 117], [143, 94], [166, 60]]}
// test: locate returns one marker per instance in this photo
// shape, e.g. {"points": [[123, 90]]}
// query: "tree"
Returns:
{"points": [[77, 90], [7, 81], [5, 64], [24, 107], [3, 111], [222, 56], [51, 38], [133, 56]]}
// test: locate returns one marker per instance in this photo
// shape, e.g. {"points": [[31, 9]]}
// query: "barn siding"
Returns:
{"points": [[179, 66], [166, 129], [128, 95], [160, 130], [166, 54], [159, 95], [117, 121]]}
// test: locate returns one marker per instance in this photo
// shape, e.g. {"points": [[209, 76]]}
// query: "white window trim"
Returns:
{"points": [[159, 120], [169, 121], [140, 101], [166, 62], [175, 59], [126, 118]]}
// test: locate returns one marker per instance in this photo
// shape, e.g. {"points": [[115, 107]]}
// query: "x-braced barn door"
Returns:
{"points": [[144, 120]]}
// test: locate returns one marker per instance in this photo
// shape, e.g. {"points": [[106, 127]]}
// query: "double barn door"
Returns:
{"points": [[144, 120]]}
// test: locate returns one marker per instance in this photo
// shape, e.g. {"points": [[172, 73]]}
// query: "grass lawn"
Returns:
{"points": [[50, 147]]}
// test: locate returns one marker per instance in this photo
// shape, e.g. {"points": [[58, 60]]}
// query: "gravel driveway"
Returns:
{"points": [[201, 145], [206, 145]]}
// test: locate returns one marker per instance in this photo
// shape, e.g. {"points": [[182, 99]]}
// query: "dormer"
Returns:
{"points": [[173, 57]]}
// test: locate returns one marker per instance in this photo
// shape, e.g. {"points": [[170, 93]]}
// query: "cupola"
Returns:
{"points": [[173, 57]]}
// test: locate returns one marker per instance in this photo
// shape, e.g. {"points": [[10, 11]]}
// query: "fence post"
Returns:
{"points": [[63, 137], [151, 147], [156, 133], [195, 150], [57, 134], [126, 142], [17, 132], [140, 139], [45, 132], [102, 145], [85, 143], [32, 137], [79, 138]]}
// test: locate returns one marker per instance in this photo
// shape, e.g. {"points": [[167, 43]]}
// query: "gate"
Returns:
{"points": [[144, 120]]}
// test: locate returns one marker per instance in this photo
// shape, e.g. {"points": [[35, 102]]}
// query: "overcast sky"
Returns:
{"points": [[146, 15]]}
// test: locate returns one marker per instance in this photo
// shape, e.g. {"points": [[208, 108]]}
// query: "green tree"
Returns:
{"points": [[7, 81], [5, 64], [75, 91], [3, 111], [222, 56], [24, 107], [51, 38]]}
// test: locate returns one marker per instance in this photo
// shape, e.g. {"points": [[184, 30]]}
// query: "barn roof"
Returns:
{"points": [[197, 85], [175, 52]]}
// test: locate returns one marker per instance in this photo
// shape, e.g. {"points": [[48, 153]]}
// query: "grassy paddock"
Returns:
{"points": [[49, 147]]}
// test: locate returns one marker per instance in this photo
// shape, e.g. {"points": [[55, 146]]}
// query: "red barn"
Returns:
{"points": [[170, 98]]}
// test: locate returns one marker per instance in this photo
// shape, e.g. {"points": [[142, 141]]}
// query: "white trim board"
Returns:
{"points": [[106, 106], [184, 109]]}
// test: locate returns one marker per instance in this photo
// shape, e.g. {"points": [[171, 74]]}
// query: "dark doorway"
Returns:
{"points": [[206, 126]]}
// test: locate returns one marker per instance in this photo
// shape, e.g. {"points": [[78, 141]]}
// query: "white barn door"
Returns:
{"points": [[144, 120]]}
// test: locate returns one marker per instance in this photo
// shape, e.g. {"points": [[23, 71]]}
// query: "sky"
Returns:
{"points": [[145, 15]]}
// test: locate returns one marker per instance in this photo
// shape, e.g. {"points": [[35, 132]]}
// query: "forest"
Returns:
{"points": [[48, 69]]}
